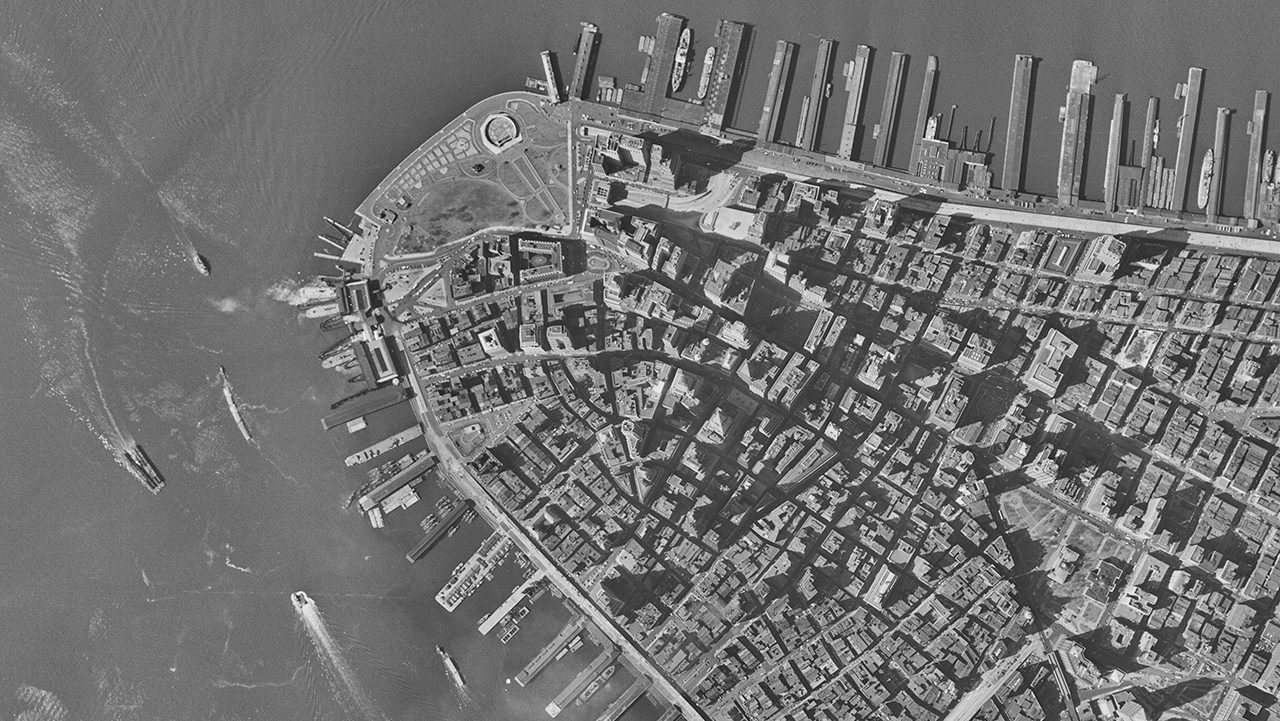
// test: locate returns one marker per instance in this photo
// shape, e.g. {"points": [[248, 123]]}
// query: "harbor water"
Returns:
{"points": [[135, 134]]}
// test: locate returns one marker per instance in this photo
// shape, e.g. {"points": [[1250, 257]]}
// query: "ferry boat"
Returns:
{"points": [[231, 403], [601, 680], [1268, 165], [682, 60], [453, 667], [1206, 177], [142, 468], [708, 62]]}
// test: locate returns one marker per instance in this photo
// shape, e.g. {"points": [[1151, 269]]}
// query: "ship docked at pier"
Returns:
{"points": [[682, 60], [708, 64], [140, 465], [470, 574], [1206, 179]]}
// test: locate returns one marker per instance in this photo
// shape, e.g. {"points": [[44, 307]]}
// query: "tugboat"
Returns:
{"points": [[202, 265], [1206, 177], [453, 667], [300, 601], [142, 468], [682, 60]]}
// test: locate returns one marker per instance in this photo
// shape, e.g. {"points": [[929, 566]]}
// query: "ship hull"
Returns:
{"points": [[682, 61], [1206, 179]]}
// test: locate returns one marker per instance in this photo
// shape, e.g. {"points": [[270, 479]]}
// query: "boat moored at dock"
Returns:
{"points": [[682, 60], [1206, 179], [708, 63]]}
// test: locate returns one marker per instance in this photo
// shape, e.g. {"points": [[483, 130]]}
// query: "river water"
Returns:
{"points": [[132, 132]]}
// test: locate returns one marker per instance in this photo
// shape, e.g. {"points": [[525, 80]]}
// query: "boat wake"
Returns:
{"points": [[346, 688]]}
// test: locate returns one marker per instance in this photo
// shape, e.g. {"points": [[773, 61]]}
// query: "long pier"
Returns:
{"points": [[729, 37], [433, 537], [548, 652], [1075, 129], [1015, 136], [517, 596], [1186, 137], [770, 117], [626, 700], [586, 676], [657, 84], [926, 108], [1116, 138], [380, 492], [1147, 148], [818, 95], [1219, 164], [373, 401], [855, 73], [1257, 136], [889, 112], [581, 83], [553, 83]]}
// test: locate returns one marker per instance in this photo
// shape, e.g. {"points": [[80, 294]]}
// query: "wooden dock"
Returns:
{"points": [[581, 83]]}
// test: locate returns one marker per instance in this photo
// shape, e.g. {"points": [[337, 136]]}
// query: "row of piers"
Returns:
{"points": [[1137, 178]]}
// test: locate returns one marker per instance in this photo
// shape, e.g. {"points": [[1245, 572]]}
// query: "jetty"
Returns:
{"points": [[384, 445], [586, 676], [548, 652], [517, 596], [889, 111], [811, 124], [1257, 136], [370, 402], [771, 115], [1015, 136], [1186, 137], [926, 109], [433, 537], [382, 491], [855, 73], [1075, 129]]}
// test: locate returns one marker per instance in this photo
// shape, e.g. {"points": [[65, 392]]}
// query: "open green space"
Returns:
{"points": [[457, 208]]}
